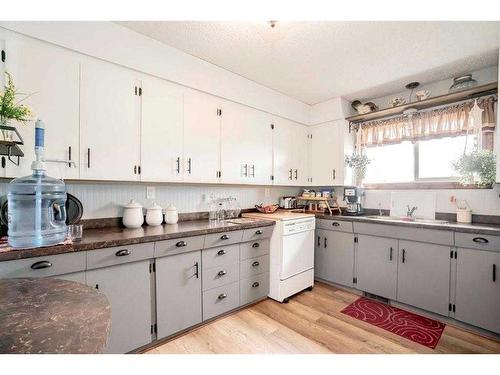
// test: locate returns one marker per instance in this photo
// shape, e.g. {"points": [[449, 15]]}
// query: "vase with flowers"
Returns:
{"points": [[11, 108], [358, 162]]}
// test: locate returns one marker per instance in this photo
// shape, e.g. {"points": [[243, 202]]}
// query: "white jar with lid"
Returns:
{"points": [[154, 215], [171, 215], [132, 215]]}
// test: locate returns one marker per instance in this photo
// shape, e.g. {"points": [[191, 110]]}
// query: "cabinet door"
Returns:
{"points": [[478, 288], [161, 131], [178, 292], [79, 277], [50, 75], [110, 119], [201, 137], [246, 145], [334, 257], [377, 265], [300, 144], [424, 276], [128, 289], [324, 155], [283, 165]]}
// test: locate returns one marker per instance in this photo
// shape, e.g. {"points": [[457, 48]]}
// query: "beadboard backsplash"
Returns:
{"points": [[101, 200]]}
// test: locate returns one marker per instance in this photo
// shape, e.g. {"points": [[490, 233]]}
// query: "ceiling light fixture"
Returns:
{"points": [[272, 24]]}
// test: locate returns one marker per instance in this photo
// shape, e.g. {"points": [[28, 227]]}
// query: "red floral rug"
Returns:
{"points": [[411, 326]]}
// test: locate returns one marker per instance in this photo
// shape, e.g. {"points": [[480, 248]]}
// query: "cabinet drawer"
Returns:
{"points": [[254, 288], [254, 266], [51, 265], [119, 255], [477, 241], [178, 246], [223, 239], [254, 249], [220, 300], [220, 256], [257, 233], [337, 225], [219, 276]]}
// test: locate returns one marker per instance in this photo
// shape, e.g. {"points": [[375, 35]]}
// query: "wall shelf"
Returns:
{"points": [[490, 88]]}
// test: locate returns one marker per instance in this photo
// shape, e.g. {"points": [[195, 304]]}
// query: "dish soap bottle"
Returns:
{"points": [[36, 204]]}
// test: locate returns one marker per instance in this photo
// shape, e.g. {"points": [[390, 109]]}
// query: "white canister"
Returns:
{"points": [[132, 215], [171, 215], [464, 215], [154, 215]]}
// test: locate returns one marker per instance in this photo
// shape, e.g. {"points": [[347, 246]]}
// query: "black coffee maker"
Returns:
{"points": [[353, 196]]}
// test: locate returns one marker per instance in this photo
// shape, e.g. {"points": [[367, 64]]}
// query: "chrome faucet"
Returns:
{"points": [[410, 211]]}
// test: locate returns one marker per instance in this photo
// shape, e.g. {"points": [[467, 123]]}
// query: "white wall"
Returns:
{"points": [[117, 44], [101, 200]]}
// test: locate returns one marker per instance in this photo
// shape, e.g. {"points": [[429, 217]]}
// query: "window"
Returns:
{"points": [[425, 160]]}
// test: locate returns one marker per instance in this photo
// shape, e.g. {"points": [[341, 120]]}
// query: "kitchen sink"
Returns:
{"points": [[412, 220]]}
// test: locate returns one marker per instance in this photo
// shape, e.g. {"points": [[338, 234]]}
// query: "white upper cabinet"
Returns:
{"points": [[110, 118], [246, 145], [161, 130], [290, 153], [201, 137], [329, 144], [50, 76]]}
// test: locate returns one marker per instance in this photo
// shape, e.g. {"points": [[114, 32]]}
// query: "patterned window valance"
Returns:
{"points": [[449, 121]]}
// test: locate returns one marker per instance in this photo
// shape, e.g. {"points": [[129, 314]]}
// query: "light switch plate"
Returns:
{"points": [[150, 192]]}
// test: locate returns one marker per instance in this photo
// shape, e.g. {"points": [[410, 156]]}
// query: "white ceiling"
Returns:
{"points": [[317, 61]]}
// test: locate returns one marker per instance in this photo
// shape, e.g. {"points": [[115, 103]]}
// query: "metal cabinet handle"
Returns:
{"points": [[494, 273], [178, 165], [256, 245], [403, 259], [252, 168], [245, 168], [221, 273], [255, 264], [135, 169], [255, 284], [88, 157], [122, 253], [290, 174], [296, 174], [258, 232], [390, 254], [319, 241], [221, 252], [222, 296], [224, 237], [189, 166], [480, 240], [69, 155], [334, 174], [197, 270], [40, 265], [324, 243], [335, 224], [181, 244]]}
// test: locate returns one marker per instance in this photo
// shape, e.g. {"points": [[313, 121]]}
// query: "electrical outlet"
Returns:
{"points": [[267, 192], [150, 192]]}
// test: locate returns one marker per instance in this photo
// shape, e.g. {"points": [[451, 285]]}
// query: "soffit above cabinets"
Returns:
{"points": [[316, 61]]}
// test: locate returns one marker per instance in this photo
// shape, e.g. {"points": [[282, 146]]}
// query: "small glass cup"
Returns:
{"points": [[75, 232]]}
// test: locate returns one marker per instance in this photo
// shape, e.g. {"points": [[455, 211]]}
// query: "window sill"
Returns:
{"points": [[423, 185]]}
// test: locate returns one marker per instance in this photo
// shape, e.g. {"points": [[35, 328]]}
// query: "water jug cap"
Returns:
{"points": [[133, 204], [155, 207], [171, 207]]}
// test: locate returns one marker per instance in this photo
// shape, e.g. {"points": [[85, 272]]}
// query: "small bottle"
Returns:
{"points": [[220, 212]]}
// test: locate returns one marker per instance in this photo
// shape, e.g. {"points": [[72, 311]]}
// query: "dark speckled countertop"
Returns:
{"points": [[117, 236], [50, 315], [473, 228]]}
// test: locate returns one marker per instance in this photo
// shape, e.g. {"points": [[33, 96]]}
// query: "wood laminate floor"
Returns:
{"points": [[311, 323]]}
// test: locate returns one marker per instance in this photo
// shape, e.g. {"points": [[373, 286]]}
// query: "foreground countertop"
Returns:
{"points": [[279, 215], [474, 228], [116, 236], [50, 315]]}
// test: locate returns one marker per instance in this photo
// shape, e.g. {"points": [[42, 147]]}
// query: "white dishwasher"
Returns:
{"points": [[291, 253]]}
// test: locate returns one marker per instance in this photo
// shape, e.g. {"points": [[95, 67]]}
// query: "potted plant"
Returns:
{"points": [[477, 167], [10, 109], [358, 162]]}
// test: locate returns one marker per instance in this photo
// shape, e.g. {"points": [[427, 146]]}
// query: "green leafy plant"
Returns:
{"points": [[358, 162], [478, 167], [10, 109]]}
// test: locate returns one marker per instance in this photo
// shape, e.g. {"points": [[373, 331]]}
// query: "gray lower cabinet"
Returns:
{"points": [[377, 265], [79, 277], [477, 300], [128, 289], [424, 276], [178, 292], [334, 256], [219, 300]]}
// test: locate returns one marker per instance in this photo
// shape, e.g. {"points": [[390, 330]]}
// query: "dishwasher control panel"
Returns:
{"points": [[298, 225]]}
